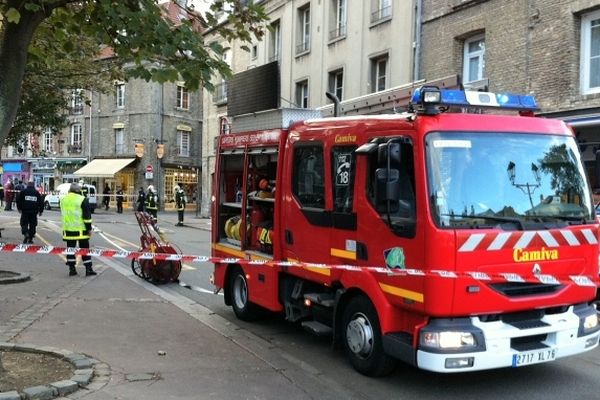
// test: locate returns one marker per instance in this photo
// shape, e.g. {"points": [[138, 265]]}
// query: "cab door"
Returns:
{"points": [[305, 216]]}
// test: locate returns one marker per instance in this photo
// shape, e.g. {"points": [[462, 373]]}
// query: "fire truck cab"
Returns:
{"points": [[452, 241]]}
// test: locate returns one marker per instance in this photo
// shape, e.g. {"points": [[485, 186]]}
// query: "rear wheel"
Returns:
{"points": [[238, 286], [362, 338], [47, 205], [137, 269]]}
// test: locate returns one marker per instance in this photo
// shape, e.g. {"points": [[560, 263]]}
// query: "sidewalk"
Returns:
{"points": [[157, 343]]}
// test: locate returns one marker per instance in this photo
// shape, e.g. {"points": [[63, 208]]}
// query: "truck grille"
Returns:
{"points": [[516, 289]]}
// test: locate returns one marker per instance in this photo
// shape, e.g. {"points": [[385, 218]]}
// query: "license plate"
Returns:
{"points": [[533, 357]]}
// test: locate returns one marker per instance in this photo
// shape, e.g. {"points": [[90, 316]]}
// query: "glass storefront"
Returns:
{"points": [[188, 178]]}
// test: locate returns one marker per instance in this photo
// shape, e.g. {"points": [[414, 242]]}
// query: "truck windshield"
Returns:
{"points": [[488, 179]]}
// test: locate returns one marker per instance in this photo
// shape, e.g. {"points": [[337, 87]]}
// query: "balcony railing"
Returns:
{"points": [[220, 94], [339, 32], [74, 148], [381, 14], [303, 47]]}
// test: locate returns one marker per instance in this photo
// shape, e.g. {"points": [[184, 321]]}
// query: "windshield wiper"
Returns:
{"points": [[498, 218], [568, 218]]}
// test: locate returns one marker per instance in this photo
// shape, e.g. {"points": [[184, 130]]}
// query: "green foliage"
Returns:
{"points": [[63, 54]]}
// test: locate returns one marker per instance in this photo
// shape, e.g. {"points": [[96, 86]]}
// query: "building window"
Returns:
{"points": [[379, 73], [302, 94], [183, 143], [336, 83], [338, 19], [48, 140], [474, 59], [381, 10], [77, 101], [119, 141], [275, 41], [590, 53], [76, 138], [183, 97], [254, 51], [120, 95], [303, 45]]}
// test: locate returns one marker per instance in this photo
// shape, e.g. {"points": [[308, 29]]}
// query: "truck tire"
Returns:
{"points": [[238, 286], [362, 338]]}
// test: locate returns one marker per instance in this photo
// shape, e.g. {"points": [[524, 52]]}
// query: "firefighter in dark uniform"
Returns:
{"points": [[77, 226], [180, 202], [120, 200], [29, 203], [152, 202], [84, 189]]}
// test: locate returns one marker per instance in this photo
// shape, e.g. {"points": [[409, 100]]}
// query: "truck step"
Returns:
{"points": [[317, 328], [324, 299]]}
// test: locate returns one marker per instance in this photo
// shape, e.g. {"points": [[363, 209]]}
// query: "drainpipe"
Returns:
{"points": [[417, 49], [89, 152]]}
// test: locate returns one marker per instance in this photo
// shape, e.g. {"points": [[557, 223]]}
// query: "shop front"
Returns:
{"points": [[112, 172], [188, 178]]}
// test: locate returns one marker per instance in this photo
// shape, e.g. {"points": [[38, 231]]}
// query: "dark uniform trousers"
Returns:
{"points": [[28, 223], [83, 244]]}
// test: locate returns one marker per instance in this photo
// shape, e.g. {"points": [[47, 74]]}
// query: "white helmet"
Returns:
{"points": [[150, 188]]}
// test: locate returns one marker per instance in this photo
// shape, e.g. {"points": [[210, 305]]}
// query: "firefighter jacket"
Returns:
{"points": [[151, 201], [30, 201], [76, 216], [180, 200]]}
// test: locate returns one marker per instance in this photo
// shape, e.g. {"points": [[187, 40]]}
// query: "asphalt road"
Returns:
{"points": [[572, 378]]}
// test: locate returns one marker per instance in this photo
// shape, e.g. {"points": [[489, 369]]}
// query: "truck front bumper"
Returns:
{"points": [[512, 344]]}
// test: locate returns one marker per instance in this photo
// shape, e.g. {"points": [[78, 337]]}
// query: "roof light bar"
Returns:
{"points": [[427, 96]]}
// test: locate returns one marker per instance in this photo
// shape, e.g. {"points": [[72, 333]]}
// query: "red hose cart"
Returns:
{"points": [[152, 241]]}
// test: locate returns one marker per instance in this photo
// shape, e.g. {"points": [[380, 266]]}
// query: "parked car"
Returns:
{"points": [[52, 200]]}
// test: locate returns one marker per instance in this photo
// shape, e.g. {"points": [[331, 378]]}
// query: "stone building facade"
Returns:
{"points": [[549, 48], [133, 122], [349, 47]]}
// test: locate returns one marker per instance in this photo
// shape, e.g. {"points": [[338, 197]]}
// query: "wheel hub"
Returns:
{"points": [[359, 336], [240, 292]]}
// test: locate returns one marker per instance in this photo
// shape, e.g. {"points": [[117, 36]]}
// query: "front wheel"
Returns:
{"points": [[238, 286], [47, 205], [362, 339]]}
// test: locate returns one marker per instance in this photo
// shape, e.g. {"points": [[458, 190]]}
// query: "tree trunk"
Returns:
{"points": [[14, 43]]}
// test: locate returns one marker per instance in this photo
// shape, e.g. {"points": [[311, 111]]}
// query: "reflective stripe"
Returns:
{"points": [[472, 242]]}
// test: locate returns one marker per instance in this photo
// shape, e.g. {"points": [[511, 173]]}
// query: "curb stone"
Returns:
{"points": [[89, 373]]}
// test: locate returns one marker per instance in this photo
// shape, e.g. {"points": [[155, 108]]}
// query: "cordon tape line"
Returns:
{"points": [[579, 280]]}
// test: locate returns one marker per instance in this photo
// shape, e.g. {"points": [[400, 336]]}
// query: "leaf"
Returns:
{"points": [[13, 15]]}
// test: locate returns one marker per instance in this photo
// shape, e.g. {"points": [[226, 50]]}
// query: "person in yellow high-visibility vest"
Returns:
{"points": [[77, 226]]}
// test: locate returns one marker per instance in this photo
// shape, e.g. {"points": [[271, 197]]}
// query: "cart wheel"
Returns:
{"points": [[238, 285], [137, 269]]}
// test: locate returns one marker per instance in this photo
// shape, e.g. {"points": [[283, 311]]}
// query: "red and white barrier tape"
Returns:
{"points": [[579, 280]]}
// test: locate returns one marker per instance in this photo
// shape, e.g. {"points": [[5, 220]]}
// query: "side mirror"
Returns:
{"points": [[387, 189]]}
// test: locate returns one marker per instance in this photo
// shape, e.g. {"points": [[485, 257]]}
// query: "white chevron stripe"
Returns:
{"points": [[589, 235], [524, 240], [570, 238], [548, 238], [472, 242], [499, 241]]}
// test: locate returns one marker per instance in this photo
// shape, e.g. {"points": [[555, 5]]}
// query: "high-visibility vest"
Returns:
{"points": [[72, 217]]}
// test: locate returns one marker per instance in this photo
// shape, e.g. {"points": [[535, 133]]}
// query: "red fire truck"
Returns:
{"points": [[452, 241]]}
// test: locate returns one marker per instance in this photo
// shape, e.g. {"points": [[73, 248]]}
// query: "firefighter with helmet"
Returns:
{"points": [[77, 226], [152, 202]]}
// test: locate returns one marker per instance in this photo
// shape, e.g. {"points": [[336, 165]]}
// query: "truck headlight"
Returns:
{"points": [[590, 322], [448, 339]]}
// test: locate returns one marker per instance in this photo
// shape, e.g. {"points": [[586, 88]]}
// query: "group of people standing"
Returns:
{"points": [[149, 202]]}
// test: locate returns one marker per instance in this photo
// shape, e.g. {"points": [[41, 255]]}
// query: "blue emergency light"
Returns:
{"points": [[430, 97]]}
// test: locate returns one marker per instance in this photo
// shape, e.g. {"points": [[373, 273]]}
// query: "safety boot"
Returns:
{"points": [[72, 270], [90, 272]]}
